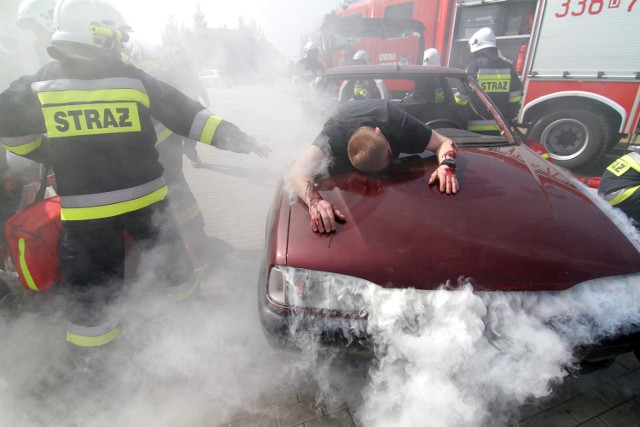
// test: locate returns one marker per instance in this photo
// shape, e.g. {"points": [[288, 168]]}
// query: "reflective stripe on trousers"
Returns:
{"points": [[93, 336], [185, 290]]}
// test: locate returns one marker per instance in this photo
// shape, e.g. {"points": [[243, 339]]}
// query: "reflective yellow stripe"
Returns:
{"points": [[97, 341], [515, 99], [183, 216], [361, 91], [24, 148], [23, 266], [89, 96], [461, 101], [91, 119], [494, 82], [482, 125], [163, 135], [210, 129], [623, 164], [181, 296], [624, 195], [106, 211]]}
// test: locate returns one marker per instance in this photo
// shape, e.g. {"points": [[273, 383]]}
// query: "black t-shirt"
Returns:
{"points": [[405, 133]]}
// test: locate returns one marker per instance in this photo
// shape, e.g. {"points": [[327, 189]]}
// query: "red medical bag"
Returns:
{"points": [[33, 235]]}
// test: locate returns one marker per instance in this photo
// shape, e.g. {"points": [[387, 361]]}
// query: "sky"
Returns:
{"points": [[282, 22]]}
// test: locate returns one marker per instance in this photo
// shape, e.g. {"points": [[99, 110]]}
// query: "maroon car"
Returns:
{"points": [[518, 225]]}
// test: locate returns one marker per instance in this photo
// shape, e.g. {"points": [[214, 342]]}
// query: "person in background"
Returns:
{"points": [[496, 77], [309, 68], [175, 69], [178, 71], [36, 16], [96, 111], [367, 135], [15, 172], [620, 185], [361, 89]]}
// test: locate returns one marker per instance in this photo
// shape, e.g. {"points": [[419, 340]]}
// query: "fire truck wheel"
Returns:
{"points": [[575, 139]]}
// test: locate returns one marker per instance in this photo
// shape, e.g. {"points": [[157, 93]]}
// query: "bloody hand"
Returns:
{"points": [[323, 214]]}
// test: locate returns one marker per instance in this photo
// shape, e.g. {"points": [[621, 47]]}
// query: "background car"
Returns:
{"points": [[518, 225], [210, 78]]}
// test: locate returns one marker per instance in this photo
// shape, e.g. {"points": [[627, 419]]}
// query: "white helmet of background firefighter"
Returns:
{"points": [[482, 39], [431, 57], [37, 16], [87, 28], [361, 57], [310, 49]]}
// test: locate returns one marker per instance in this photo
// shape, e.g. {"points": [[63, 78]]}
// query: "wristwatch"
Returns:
{"points": [[449, 162]]}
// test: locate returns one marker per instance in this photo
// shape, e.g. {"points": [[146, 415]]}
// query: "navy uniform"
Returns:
{"points": [[496, 77]]}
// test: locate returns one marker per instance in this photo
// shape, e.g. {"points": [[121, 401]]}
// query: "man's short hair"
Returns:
{"points": [[368, 150]]}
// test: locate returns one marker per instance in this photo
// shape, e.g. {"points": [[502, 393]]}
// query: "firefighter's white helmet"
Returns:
{"points": [[309, 47], [36, 11], [362, 56], [93, 23], [482, 39], [431, 57]]}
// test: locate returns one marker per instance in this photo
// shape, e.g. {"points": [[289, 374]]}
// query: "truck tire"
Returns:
{"points": [[575, 139]]}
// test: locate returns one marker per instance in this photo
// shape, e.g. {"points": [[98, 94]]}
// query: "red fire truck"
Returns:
{"points": [[579, 61]]}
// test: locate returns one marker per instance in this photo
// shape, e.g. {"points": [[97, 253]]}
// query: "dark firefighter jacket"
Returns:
{"points": [[99, 134], [501, 83], [620, 184]]}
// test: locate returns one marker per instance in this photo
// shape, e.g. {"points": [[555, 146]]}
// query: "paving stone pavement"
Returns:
{"points": [[235, 191]]}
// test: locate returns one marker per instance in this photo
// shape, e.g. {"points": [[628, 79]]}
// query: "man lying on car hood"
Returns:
{"points": [[368, 134]]}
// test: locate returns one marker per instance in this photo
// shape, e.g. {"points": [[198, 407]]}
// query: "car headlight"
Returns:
{"points": [[318, 290]]}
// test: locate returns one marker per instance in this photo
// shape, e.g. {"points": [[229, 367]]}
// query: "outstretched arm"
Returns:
{"points": [[323, 214], [446, 150]]}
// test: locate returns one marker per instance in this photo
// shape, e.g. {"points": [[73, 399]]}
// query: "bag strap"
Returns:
{"points": [[44, 172]]}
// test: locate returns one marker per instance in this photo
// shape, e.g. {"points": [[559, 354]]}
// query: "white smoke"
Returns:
{"points": [[460, 358]]}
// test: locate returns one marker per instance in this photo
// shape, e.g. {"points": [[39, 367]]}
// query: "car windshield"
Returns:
{"points": [[431, 97]]}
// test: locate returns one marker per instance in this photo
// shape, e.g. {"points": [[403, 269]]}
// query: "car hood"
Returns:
{"points": [[518, 223]]}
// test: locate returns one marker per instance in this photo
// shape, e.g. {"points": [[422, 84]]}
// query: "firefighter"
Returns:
{"points": [[175, 69], [496, 77], [620, 185], [309, 68], [97, 113], [16, 171], [37, 17], [361, 89], [178, 69]]}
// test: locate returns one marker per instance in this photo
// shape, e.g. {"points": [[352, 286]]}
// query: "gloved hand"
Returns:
{"points": [[261, 150]]}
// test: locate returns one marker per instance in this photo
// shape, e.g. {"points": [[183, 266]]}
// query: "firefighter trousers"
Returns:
{"points": [[92, 260]]}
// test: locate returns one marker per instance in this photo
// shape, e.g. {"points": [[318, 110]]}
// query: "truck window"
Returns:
{"points": [[399, 11]]}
